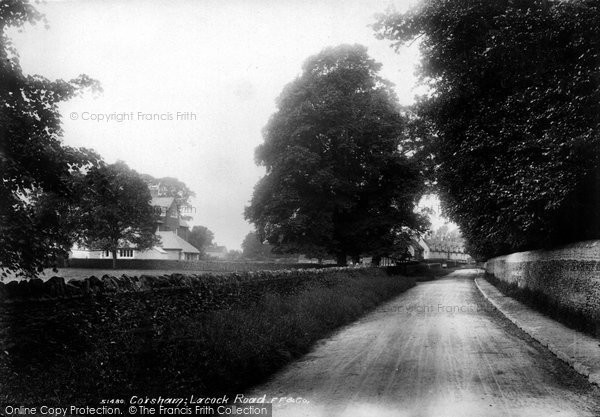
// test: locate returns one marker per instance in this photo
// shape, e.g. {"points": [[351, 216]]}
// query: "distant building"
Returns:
{"points": [[173, 232], [177, 248], [218, 252], [416, 249], [440, 250], [427, 249]]}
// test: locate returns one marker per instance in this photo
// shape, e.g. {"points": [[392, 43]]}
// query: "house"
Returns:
{"points": [[166, 208], [172, 230], [444, 250], [218, 252], [79, 252], [416, 249], [433, 249], [177, 248]]}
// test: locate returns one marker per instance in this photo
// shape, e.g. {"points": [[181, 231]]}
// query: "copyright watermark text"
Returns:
{"points": [[120, 117]]}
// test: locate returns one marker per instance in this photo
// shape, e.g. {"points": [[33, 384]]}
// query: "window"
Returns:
{"points": [[126, 253], [106, 253]]}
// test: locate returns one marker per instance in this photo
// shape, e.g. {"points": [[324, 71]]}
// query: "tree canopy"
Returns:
{"points": [[253, 248], [36, 169], [114, 210], [201, 237], [338, 179], [512, 121]]}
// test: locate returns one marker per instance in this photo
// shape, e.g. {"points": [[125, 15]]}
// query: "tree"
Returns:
{"points": [[337, 177], [253, 248], [511, 125], [201, 237], [115, 210], [37, 171], [233, 255]]}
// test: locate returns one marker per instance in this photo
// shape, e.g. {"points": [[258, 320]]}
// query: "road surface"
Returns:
{"points": [[438, 350]]}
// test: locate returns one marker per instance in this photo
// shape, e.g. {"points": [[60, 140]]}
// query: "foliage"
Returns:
{"points": [[114, 210], [201, 237], [36, 169], [338, 179], [512, 116], [253, 248], [233, 255]]}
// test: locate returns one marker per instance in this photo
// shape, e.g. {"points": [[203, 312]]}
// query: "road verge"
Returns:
{"points": [[578, 350]]}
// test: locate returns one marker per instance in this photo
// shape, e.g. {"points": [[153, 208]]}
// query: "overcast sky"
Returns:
{"points": [[223, 61]]}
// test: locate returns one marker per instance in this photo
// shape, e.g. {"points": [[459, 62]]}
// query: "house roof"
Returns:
{"points": [[453, 247], [171, 241], [415, 243], [162, 201], [215, 249]]}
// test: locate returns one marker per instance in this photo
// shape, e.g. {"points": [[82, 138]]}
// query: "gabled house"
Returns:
{"points": [[166, 208], [177, 248], [416, 249], [440, 250], [173, 232]]}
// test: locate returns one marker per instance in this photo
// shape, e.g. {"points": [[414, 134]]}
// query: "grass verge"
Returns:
{"points": [[205, 352]]}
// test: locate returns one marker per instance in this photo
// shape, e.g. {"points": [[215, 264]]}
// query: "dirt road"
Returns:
{"points": [[438, 350]]}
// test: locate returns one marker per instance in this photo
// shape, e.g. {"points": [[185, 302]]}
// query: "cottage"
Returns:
{"points": [[172, 230]]}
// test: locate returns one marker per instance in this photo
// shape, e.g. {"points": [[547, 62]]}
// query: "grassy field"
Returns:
{"points": [[210, 352]]}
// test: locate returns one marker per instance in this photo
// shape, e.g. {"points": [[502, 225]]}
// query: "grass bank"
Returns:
{"points": [[236, 349], [112, 350]]}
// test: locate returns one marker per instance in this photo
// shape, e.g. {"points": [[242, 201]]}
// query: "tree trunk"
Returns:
{"points": [[376, 260], [114, 259], [341, 259]]}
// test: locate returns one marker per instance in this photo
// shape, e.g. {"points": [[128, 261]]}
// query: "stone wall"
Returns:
{"points": [[112, 337], [162, 264], [567, 277], [205, 286]]}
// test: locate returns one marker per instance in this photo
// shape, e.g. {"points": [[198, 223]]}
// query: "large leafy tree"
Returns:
{"points": [[114, 210], [36, 170], [512, 122], [253, 248], [338, 179], [201, 237]]}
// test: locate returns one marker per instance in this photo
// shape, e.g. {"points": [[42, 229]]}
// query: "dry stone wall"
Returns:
{"points": [[163, 264]]}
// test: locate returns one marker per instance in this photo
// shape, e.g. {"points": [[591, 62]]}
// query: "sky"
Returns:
{"points": [[188, 85]]}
